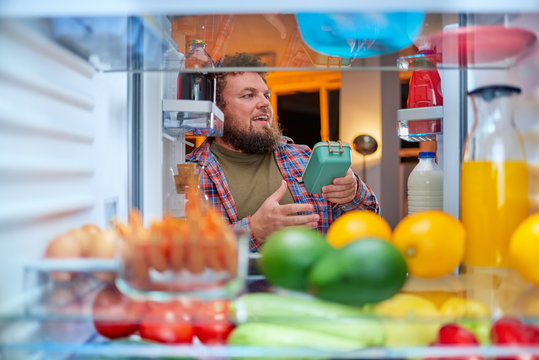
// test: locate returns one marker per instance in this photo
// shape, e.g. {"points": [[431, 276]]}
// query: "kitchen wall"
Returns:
{"points": [[369, 101]]}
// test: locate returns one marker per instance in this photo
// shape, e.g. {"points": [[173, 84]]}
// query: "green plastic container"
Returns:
{"points": [[329, 160]]}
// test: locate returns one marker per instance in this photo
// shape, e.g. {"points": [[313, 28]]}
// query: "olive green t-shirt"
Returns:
{"points": [[251, 178]]}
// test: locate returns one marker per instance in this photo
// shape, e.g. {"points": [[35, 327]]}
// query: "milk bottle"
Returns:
{"points": [[425, 185]]}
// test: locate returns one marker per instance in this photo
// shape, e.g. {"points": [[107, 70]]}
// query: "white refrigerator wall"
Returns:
{"points": [[63, 146]]}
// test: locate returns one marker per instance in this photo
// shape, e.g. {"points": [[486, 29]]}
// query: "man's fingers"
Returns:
{"points": [[307, 220], [289, 209]]}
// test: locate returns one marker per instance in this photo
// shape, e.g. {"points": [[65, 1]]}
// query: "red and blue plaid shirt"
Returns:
{"points": [[291, 159]]}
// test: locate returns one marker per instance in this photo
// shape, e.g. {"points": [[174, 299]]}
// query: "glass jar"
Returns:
{"points": [[494, 178], [199, 85]]}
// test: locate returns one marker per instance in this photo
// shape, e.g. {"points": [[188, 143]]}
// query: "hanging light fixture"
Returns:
{"points": [[365, 145]]}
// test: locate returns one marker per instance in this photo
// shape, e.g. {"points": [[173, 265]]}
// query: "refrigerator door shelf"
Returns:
{"points": [[420, 124], [199, 118]]}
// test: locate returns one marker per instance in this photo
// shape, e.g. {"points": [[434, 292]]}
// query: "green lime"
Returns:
{"points": [[288, 254], [364, 271]]}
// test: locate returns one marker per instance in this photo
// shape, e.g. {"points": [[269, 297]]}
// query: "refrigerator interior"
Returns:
{"points": [[82, 141]]}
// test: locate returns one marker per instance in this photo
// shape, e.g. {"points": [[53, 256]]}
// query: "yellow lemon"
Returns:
{"points": [[409, 320], [356, 225], [524, 249], [460, 307], [432, 242]]}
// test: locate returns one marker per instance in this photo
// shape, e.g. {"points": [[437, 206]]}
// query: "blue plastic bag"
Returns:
{"points": [[356, 35]]}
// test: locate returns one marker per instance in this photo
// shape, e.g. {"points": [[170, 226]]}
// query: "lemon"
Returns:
{"points": [[432, 242], [356, 225], [459, 307], [469, 313], [409, 320], [524, 249]]}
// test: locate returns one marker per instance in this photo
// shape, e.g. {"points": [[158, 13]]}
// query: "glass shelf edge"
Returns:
{"points": [[424, 113]]}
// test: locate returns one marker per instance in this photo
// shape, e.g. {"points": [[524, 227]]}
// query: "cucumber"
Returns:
{"points": [[309, 313], [276, 336], [256, 306]]}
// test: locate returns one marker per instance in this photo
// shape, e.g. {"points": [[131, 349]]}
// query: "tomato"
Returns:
{"points": [[456, 335], [533, 333], [115, 315], [453, 334], [511, 331], [168, 322], [212, 324]]}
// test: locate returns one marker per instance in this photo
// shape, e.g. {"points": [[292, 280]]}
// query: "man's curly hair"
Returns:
{"points": [[243, 60]]}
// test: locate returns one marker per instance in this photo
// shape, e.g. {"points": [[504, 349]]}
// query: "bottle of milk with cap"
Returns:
{"points": [[425, 185]]}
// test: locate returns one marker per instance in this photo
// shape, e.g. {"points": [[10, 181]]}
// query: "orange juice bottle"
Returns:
{"points": [[494, 202], [494, 179]]}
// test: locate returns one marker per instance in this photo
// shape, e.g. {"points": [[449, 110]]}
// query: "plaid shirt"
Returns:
{"points": [[291, 159]]}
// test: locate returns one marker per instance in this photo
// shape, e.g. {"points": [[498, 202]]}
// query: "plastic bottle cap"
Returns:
{"points": [[197, 42], [427, 155], [493, 91]]}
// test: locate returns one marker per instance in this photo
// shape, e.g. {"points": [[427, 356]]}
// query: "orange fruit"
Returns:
{"points": [[432, 242], [524, 248], [356, 225]]}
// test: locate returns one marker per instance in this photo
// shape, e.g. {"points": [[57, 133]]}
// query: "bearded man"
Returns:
{"points": [[252, 174]]}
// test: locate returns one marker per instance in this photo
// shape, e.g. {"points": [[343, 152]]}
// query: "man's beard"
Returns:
{"points": [[249, 141]]}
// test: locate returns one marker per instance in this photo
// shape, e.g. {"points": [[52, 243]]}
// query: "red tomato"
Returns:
{"points": [[508, 331], [115, 315], [511, 331], [212, 325], [167, 323], [456, 335], [533, 332], [453, 334]]}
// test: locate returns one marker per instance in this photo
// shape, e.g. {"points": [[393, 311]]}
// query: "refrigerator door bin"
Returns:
{"points": [[180, 116], [420, 124]]}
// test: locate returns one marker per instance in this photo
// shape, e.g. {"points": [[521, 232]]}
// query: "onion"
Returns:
{"points": [[83, 237], [64, 246], [103, 246]]}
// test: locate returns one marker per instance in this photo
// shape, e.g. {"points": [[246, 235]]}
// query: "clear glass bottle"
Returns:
{"points": [[198, 85], [494, 178], [425, 185]]}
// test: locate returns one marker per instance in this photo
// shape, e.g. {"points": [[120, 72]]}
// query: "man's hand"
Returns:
{"points": [[343, 190], [272, 216]]}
